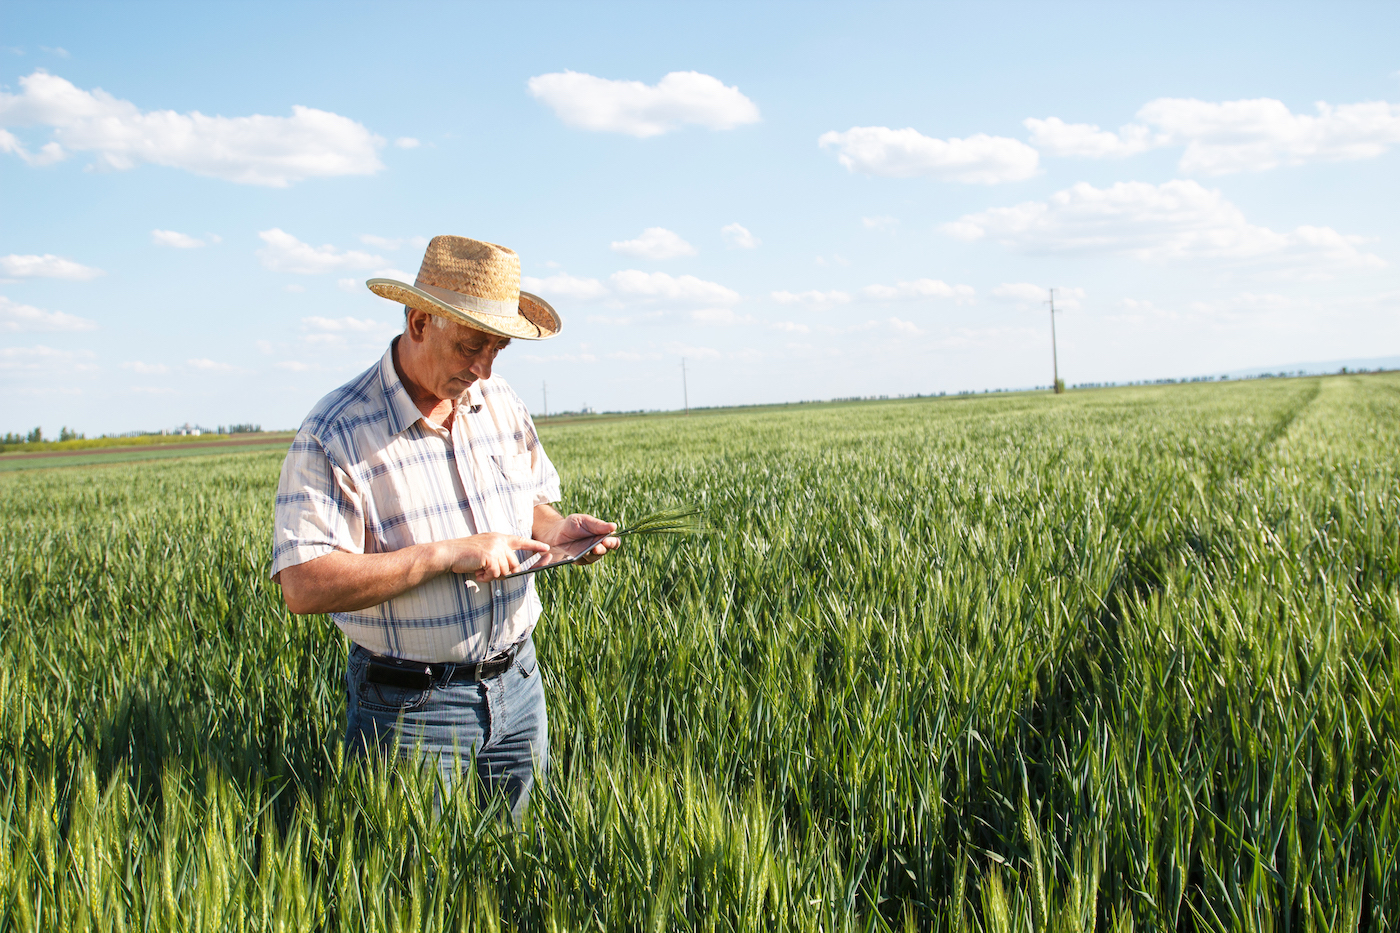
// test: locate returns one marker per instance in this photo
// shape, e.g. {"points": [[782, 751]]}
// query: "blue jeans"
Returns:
{"points": [[501, 721]]}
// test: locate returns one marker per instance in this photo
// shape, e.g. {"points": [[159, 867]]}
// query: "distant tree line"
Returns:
{"points": [[36, 436], [12, 441]]}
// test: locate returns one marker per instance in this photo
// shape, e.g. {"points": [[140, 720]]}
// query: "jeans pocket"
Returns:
{"points": [[387, 699], [527, 661], [381, 698]]}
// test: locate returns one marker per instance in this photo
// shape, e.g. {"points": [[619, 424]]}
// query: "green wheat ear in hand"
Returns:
{"points": [[683, 520]]}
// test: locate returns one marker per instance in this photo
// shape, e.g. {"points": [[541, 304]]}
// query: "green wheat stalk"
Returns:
{"points": [[682, 520]]}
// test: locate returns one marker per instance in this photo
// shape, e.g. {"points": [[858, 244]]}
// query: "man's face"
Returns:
{"points": [[453, 356]]}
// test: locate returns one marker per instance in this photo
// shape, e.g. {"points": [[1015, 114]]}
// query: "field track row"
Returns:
{"points": [[188, 445]]}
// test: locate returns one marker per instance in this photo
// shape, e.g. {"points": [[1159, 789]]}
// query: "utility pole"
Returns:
{"points": [[685, 389], [1054, 351], [546, 398]]}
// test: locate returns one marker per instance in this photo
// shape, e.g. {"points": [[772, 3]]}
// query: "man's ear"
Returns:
{"points": [[415, 324]]}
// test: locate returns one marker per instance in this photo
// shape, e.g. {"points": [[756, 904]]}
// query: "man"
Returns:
{"points": [[407, 499]]}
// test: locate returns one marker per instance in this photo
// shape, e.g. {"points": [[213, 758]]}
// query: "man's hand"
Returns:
{"points": [[490, 555], [560, 531], [344, 582]]}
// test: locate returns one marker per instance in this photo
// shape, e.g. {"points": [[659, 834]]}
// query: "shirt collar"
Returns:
{"points": [[403, 414]]}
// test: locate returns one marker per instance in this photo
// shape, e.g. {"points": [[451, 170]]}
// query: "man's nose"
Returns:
{"points": [[481, 366]]}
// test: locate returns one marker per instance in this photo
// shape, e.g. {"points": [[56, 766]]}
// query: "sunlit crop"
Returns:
{"points": [[1124, 659]]}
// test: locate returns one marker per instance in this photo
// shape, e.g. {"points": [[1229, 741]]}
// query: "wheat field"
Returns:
{"points": [[1119, 659]]}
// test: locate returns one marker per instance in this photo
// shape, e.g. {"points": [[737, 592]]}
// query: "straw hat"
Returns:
{"points": [[476, 284]]}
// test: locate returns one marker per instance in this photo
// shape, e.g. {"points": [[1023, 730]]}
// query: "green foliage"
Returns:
{"points": [[682, 520], [1124, 659]]}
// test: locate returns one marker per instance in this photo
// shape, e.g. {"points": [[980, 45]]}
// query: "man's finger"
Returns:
{"points": [[596, 525], [527, 544]]}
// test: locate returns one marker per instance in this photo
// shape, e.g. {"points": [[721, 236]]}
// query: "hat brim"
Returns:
{"points": [[537, 320]]}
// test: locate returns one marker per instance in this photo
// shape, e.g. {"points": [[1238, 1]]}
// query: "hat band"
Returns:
{"points": [[470, 302]]}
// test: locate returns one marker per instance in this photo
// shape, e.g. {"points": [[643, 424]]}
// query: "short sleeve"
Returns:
{"points": [[318, 508]]}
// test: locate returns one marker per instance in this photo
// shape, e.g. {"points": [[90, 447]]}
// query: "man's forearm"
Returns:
{"points": [[343, 582]]}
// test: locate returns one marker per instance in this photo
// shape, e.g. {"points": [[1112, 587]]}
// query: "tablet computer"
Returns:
{"points": [[559, 556]]}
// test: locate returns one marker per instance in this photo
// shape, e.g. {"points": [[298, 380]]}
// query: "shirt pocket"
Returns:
{"points": [[518, 479]]}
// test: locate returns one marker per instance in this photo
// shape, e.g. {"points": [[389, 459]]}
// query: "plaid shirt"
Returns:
{"points": [[367, 473]]}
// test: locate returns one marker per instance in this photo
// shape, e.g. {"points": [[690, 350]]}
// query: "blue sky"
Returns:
{"points": [[803, 201]]}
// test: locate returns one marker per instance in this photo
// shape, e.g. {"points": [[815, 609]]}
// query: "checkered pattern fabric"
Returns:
{"points": [[367, 474]]}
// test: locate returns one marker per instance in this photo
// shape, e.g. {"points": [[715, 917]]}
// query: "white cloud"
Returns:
{"points": [[791, 327], [739, 236], [255, 150], [340, 325], [211, 366], [655, 243], [1023, 292], [637, 109], [1253, 135], [1233, 136], [294, 288], [146, 369], [610, 320], [285, 253], [563, 285], [906, 327], [813, 298], [1030, 295], [18, 318], [396, 274], [48, 153], [46, 360], [47, 266], [1055, 137], [880, 223], [407, 142], [919, 289], [380, 242], [294, 366], [348, 285], [660, 286], [175, 239], [979, 159], [1175, 221]]}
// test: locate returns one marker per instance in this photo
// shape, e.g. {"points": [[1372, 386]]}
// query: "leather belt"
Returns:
{"points": [[421, 675]]}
